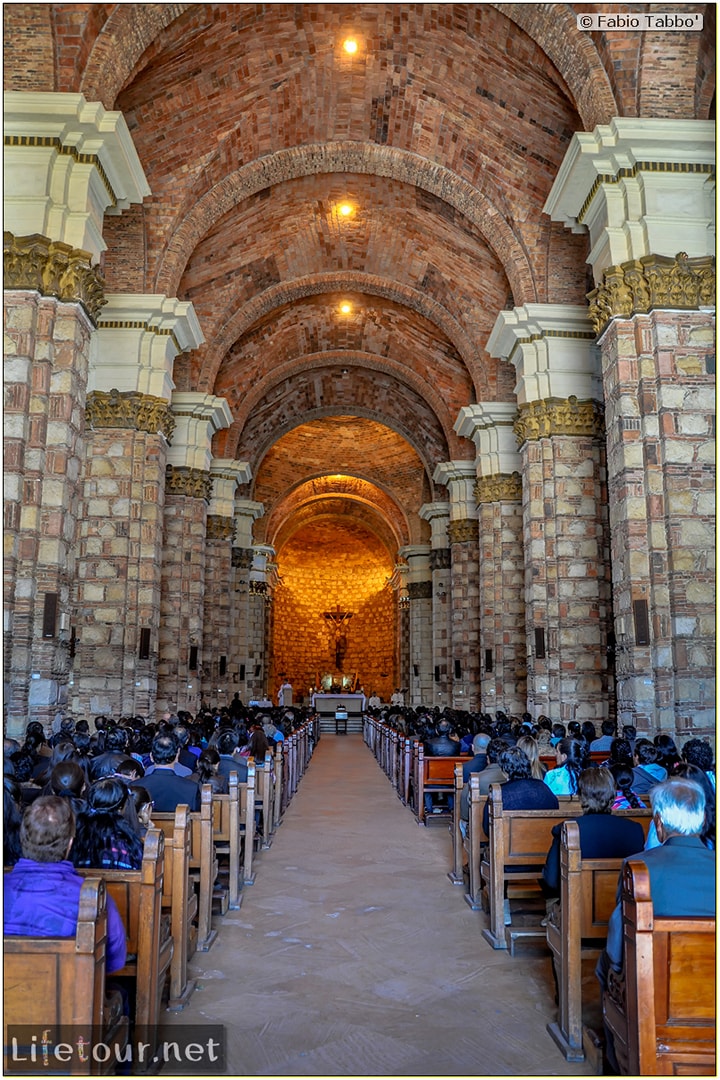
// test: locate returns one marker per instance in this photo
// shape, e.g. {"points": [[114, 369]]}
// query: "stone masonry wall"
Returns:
{"points": [[659, 377], [46, 362], [118, 575]]}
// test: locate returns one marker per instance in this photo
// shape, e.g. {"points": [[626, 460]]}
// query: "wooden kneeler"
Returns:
{"points": [[179, 899]]}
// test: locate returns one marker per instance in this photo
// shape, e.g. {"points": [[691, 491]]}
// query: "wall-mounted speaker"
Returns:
{"points": [[488, 660], [539, 642], [458, 670], [642, 622], [144, 649], [437, 673], [50, 606], [223, 665], [242, 672], [193, 658], [258, 669], [416, 670]]}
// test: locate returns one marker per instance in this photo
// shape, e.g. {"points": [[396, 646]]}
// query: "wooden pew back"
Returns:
{"points": [[202, 861], [179, 899], [432, 774], [667, 1027], [577, 928], [138, 897], [59, 983]]}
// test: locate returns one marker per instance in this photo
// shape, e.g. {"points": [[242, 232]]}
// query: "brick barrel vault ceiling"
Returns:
{"points": [[353, 464], [454, 87], [400, 242]]}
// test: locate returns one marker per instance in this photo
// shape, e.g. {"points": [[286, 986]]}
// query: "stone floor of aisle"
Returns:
{"points": [[354, 955]]}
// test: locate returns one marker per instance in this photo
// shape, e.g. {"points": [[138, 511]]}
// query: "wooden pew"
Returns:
{"points": [[475, 842], [226, 836], [277, 797], [519, 841], [661, 1011], [138, 896], [178, 897], [577, 928], [431, 774], [265, 797], [202, 863], [59, 983]]}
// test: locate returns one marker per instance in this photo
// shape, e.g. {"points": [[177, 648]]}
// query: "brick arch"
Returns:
{"points": [[405, 413], [212, 356], [476, 205], [305, 369], [315, 495], [553, 27], [336, 510], [128, 33]]}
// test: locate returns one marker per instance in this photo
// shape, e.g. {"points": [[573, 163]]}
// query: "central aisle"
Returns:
{"points": [[353, 954]]}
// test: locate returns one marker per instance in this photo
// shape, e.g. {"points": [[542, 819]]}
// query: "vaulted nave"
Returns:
{"points": [[354, 955]]}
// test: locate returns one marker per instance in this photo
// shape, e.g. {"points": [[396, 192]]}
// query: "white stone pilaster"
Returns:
{"points": [[226, 475], [490, 426], [553, 350], [67, 163], [197, 418], [639, 186], [459, 478], [137, 341]]}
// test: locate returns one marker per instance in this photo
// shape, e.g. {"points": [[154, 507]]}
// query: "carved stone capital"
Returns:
{"points": [[505, 487], [465, 531], [195, 483], [420, 590], [220, 527], [259, 588], [440, 559], [129, 410], [242, 558], [654, 281], [53, 269], [568, 416]]}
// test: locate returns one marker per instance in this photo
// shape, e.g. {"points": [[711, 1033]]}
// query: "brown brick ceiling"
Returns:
{"points": [[445, 131]]}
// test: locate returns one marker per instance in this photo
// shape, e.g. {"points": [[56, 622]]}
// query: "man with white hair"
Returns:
{"points": [[681, 869]]}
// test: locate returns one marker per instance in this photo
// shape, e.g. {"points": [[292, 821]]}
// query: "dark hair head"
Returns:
{"points": [[494, 749], [24, 764], [621, 751], [596, 789], [227, 742], [623, 775], [698, 752], [668, 755], [515, 764], [608, 727], [116, 739], [131, 768], [588, 731], [559, 731], [67, 778], [645, 752], [141, 797], [258, 745], [574, 728], [575, 753], [107, 796], [207, 764], [164, 749], [47, 827]]}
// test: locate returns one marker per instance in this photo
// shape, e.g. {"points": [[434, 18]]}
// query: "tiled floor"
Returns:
{"points": [[354, 955]]}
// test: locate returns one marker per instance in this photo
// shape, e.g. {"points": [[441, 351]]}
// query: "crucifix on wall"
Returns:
{"points": [[338, 620]]}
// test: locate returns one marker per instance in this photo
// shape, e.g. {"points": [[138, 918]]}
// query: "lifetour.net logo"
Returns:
{"points": [[190, 1050]]}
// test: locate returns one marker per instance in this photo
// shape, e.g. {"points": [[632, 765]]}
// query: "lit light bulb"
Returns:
{"points": [[350, 46], [346, 308], [345, 209]]}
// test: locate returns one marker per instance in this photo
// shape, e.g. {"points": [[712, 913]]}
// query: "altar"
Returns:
{"points": [[328, 704]]}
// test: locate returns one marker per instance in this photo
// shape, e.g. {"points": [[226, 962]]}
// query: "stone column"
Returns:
{"points": [[561, 436], [644, 191], [129, 428], [188, 490], [244, 653], [463, 532], [498, 492], [438, 516], [419, 588], [260, 588], [67, 162], [401, 659], [219, 579]]}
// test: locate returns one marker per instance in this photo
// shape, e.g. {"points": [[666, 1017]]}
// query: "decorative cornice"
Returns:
{"points": [[181, 480], [242, 558], [220, 527], [545, 419], [440, 559], [643, 166], [258, 588], [52, 143], [53, 269], [465, 531], [501, 488], [129, 410], [420, 590], [654, 281], [141, 324]]}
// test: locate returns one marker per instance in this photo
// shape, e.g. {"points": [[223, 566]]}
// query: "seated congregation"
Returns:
{"points": [[564, 837], [119, 845]]}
